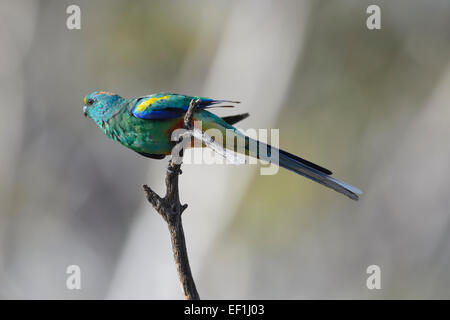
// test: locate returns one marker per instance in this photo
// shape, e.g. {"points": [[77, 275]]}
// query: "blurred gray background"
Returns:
{"points": [[373, 106]]}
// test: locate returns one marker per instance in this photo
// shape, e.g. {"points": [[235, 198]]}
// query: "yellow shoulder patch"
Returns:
{"points": [[145, 104]]}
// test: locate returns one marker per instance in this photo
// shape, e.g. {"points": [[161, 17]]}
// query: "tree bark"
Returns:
{"points": [[171, 209]]}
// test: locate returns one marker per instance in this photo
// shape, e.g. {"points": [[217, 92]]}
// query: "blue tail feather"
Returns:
{"points": [[305, 168], [291, 163]]}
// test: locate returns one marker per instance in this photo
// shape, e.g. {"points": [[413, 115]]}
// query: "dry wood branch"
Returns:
{"points": [[170, 208]]}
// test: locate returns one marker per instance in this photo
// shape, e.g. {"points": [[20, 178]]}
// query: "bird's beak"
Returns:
{"points": [[85, 111]]}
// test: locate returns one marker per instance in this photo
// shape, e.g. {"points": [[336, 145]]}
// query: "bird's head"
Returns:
{"points": [[100, 105]]}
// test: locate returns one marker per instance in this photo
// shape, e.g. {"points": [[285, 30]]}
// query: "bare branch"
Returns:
{"points": [[171, 209]]}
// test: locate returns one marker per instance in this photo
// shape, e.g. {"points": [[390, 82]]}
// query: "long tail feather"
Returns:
{"points": [[307, 169], [248, 146]]}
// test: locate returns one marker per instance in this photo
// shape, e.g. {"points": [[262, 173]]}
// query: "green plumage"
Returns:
{"points": [[137, 134], [146, 124]]}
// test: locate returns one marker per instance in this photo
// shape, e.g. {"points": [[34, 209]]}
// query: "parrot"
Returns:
{"points": [[145, 125]]}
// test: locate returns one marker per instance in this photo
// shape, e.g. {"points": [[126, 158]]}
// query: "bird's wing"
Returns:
{"points": [[169, 105]]}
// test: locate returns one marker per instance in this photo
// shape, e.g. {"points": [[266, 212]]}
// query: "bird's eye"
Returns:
{"points": [[90, 102]]}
